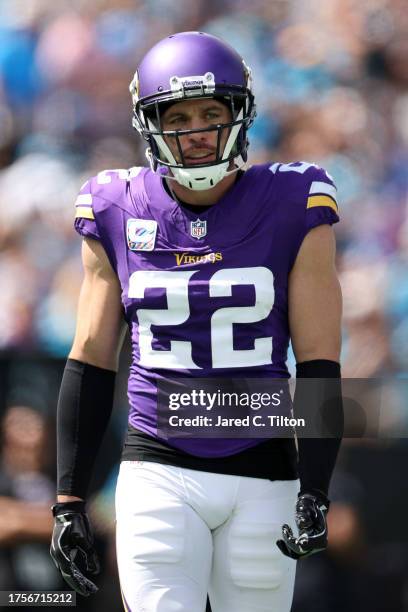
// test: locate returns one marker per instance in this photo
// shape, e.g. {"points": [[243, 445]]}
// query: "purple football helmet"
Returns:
{"points": [[185, 66]]}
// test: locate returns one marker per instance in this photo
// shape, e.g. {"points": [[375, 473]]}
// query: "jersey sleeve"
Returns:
{"points": [[85, 223], [321, 199]]}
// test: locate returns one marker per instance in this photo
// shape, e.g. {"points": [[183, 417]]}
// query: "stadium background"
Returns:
{"points": [[331, 84]]}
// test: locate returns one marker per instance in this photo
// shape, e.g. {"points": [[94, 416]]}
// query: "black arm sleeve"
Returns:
{"points": [[84, 408], [317, 455]]}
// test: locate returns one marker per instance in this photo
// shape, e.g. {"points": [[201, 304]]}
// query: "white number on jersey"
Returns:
{"points": [[103, 178], [299, 167], [177, 311], [224, 355]]}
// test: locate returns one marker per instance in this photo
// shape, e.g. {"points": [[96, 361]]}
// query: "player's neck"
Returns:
{"points": [[202, 198]]}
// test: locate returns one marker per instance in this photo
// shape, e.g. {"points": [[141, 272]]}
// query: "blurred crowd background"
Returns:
{"points": [[331, 84]]}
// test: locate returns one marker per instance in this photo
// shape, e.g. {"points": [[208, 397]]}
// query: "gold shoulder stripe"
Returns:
{"points": [[84, 212], [321, 200]]}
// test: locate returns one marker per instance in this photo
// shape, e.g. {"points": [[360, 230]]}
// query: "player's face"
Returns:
{"points": [[201, 147]]}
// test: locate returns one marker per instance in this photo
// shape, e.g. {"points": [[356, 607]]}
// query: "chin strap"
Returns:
{"points": [[166, 173]]}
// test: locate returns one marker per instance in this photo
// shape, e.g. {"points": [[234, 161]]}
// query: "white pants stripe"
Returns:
{"points": [[182, 533]]}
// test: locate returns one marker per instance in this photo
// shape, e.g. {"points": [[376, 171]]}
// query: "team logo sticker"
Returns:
{"points": [[198, 229], [141, 234]]}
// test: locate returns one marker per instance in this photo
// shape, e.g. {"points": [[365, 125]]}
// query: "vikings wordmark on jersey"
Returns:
{"points": [[210, 304]]}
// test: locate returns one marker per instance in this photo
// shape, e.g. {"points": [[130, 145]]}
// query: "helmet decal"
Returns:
{"points": [[185, 86], [134, 86]]}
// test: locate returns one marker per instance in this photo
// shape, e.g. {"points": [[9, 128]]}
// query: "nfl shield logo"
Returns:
{"points": [[198, 229]]}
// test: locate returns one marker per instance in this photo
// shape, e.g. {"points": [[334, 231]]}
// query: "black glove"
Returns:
{"points": [[72, 546], [310, 519]]}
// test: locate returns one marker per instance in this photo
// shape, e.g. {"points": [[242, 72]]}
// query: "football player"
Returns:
{"points": [[213, 267]]}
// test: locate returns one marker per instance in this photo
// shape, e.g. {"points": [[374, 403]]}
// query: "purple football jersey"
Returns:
{"points": [[204, 295]]}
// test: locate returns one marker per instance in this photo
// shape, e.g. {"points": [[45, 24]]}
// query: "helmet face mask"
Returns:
{"points": [[229, 84]]}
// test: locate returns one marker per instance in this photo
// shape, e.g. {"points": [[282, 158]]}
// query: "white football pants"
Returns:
{"points": [[182, 533]]}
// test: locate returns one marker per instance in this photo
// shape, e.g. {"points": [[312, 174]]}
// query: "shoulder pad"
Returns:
{"points": [[83, 207], [321, 190], [108, 186], [112, 184]]}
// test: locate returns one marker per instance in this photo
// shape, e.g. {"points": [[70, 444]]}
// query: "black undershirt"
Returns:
{"points": [[271, 459]]}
